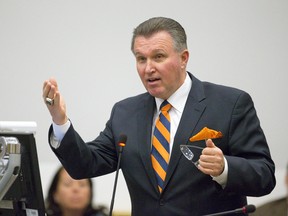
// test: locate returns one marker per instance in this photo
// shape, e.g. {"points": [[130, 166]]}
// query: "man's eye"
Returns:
{"points": [[141, 59], [159, 57]]}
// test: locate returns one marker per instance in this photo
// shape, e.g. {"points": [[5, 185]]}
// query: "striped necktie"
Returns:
{"points": [[160, 144]]}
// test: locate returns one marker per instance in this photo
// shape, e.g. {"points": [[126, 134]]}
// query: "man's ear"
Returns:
{"points": [[184, 57]]}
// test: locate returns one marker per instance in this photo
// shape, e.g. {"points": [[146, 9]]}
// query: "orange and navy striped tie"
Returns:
{"points": [[161, 144]]}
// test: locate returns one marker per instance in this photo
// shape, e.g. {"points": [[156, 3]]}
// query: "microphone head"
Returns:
{"points": [[249, 208], [122, 140]]}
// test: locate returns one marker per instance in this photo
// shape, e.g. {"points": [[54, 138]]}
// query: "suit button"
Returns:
{"points": [[162, 202]]}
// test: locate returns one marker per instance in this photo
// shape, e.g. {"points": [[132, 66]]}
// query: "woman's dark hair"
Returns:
{"points": [[53, 209]]}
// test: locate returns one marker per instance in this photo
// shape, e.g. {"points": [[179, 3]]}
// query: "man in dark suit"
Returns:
{"points": [[235, 165], [278, 207]]}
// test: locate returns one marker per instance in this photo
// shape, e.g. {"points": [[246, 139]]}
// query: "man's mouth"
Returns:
{"points": [[151, 80]]}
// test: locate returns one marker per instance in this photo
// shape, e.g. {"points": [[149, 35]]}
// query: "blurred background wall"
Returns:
{"points": [[85, 45]]}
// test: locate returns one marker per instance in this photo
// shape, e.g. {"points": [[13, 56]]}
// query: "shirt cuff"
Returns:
{"points": [[222, 179], [58, 133]]}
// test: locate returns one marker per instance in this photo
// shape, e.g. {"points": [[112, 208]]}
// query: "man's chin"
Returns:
{"points": [[157, 94]]}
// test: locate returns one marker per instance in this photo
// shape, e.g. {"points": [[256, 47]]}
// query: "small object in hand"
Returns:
{"points": [[49, 101]]}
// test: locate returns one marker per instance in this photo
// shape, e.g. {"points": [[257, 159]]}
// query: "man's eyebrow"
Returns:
{"points": [[153, 51]]}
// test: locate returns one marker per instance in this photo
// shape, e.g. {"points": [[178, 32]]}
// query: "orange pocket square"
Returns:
{"points": [[206, 133]]}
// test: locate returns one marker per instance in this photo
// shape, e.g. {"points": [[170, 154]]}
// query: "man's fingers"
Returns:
{"points": [[209, 143], [49, 90]]}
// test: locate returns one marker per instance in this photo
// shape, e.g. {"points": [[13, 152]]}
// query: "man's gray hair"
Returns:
{"points": [[158, 24]]}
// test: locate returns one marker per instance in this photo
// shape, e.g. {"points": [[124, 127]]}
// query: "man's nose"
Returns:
{"points": [[150, 67]]}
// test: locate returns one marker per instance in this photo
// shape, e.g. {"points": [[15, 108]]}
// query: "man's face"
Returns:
{"points": [[161, 69]]}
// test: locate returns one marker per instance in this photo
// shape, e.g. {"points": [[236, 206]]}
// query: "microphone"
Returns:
{"points": [[121, 144], [244, 210]]}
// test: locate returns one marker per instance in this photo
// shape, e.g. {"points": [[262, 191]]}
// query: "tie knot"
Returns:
{"points": [[165, 106]]}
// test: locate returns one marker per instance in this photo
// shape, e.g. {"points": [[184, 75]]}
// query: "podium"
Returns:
{"points": [[20, 181]]}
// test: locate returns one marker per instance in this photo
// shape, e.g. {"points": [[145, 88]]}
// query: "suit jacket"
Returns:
{"points": [[187, 191], [275, 208]]}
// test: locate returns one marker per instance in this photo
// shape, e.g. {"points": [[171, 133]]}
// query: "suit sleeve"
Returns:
{"points": [[87, 159], [251, 169]]}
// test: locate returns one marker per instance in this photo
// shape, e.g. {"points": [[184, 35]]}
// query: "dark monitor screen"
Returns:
{"points": [[24, 196]]}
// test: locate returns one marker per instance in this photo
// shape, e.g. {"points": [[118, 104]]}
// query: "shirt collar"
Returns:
{"points": [[178, 98]]}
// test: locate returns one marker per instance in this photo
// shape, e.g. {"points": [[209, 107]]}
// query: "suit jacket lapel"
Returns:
{"points": [[144, 129], [192, 112]]}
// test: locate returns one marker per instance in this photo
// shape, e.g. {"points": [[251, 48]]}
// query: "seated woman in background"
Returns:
{"points": [[70, 197]]}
